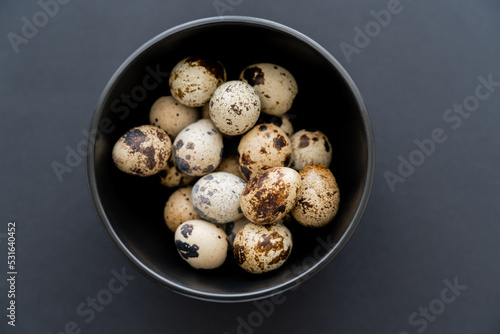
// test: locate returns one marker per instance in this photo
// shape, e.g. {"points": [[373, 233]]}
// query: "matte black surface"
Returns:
{"points": [[440, 224]]}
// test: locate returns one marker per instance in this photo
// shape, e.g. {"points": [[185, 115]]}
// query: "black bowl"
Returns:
{"points": [[130, 208]]}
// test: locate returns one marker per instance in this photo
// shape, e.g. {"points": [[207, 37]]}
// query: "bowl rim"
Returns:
{"points": [[285, 284]]}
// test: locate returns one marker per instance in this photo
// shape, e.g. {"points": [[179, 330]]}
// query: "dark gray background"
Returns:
{"points": [[440, 224]]}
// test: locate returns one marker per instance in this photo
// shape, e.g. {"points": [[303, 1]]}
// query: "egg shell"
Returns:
{"points": [[275, 85], [193, 80], [142, 151], [282, 122], [179, 208], [198, 148], [310, 147], [216, 197], [230, 164], [170, 115], [262, 248], [233, 228], [234, 107], [270, 195], [265, 146], [319, 197], [201, 244], [171, 177]]}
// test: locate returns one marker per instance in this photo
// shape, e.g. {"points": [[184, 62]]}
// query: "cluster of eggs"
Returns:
{"points": [[232, 202]]}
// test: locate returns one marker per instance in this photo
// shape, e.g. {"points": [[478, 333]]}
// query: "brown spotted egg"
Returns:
{"points": [[170, 177], [142, 151], [234, 107], [282, 122], [262, 248], [265, 146], [179, 208], [318, 200], [275, 85], [310, 147], [216, 197], [194, 79], [198, 148], [270, 195], [201, 244], [170, 115], [230, 164]]}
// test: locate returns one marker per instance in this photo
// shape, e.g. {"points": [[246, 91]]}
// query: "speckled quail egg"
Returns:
{"points": [[201, 244], [142, 151], [198, 148], [170, 115], [194, 79], [270, 195], [318, 200], [234, 107], [262, 248], [179, 208], [170, 177], [310, 147], [264, 146], [275, 85], [282, 122], [233, 228], [216, 197], [230, 164]]}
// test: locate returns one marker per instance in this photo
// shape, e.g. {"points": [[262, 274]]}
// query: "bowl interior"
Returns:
{"points": [[131, 208]]}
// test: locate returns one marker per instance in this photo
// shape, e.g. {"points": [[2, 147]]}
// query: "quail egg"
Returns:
{"points": [[318, 200], [198, 148], [275, 85], [282, 122], [179, 208], [265, 146], [216, 197], [310, 147], [170, 115], [230, 164], [270, 195], [170, 177], [201, 244], [142, 151], [262, 248], [234, 107], [194, 79]]}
